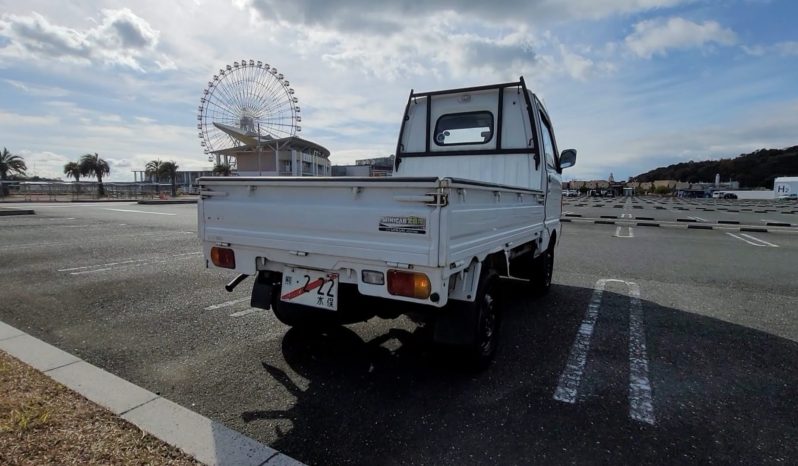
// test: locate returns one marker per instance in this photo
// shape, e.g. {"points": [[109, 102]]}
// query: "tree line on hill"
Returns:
{"points": [[755, 170]]}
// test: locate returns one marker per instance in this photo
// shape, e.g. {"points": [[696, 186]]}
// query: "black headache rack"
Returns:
{"points": [[400, 153]]}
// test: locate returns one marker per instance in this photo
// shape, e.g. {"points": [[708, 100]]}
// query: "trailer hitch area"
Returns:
{"points": [[233, 284]]}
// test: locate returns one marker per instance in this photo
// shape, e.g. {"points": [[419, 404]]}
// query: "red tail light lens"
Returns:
{"points": [[410, 284], [223, 257]]}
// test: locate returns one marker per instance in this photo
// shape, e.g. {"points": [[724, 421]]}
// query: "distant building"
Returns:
{"points": [[266, 156], [378, 166]]}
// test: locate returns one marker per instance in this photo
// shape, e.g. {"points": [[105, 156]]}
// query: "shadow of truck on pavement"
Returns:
{"points": [[721, 392]]}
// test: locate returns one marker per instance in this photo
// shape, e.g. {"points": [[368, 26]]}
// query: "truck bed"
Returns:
{"points": [[432, 222]]}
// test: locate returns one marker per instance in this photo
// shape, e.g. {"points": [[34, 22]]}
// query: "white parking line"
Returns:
{"points": [[626, 215], [754, 238], [245, 312], [226, 304], [753, 241], [641, 406], [140, 211], [572, 375], [126, 264], [698, 218], [630, 235], [110, 264]]}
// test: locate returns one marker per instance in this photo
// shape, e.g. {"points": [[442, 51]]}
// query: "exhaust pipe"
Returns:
{"points": [[233, 284]]}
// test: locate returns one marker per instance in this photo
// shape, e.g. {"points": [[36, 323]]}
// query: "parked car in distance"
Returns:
{"points": [[788, 197], [729, 196]]}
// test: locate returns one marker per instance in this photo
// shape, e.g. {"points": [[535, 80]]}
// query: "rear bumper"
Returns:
{"points": [[251, 262]]}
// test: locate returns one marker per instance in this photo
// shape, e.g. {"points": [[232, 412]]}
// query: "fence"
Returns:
{"points": [[55, 191]]}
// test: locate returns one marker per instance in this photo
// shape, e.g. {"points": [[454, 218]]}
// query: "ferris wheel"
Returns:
{"points": [[250, 96]]}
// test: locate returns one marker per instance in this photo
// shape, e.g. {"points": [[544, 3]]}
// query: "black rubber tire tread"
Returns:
{"points": [[543, 270], [481, 352]]}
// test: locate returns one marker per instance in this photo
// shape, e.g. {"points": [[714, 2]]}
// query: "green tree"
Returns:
{"points": [[169, 170], [72, 170], [93, 165], [10, 163], [153, 170], [663, 190], [222, 169]]}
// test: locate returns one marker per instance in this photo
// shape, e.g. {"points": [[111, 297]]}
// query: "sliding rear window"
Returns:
{"points": [[464, 128]]}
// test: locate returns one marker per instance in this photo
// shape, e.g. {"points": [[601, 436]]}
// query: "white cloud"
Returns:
{"points": [[120, 38], [385, 18], [784, 49], [38, 91], [656, 37]]}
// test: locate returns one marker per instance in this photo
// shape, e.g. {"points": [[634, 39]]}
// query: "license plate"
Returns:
{"points": [[313, 288]]}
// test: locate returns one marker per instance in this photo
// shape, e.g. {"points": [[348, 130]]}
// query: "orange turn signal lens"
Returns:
{"points": [[223, 257], [410, 284]]}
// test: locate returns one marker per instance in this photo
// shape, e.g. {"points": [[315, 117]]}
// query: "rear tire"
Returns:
{"points": [[485, 311], [543, 269]]}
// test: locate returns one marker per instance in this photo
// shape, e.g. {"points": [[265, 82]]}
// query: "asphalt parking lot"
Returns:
{"points": [[655, 345]]}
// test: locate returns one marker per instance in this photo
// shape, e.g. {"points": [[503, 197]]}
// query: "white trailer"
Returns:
{"points": [[785, 187], [476, 195]]}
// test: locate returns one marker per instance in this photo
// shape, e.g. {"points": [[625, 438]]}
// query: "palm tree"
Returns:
{"points": [[169, 170], [10, 163], [222, 169], [93, 165], [153, 169], [72, 170]]}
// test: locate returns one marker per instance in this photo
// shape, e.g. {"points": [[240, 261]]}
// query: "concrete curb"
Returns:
{"points": [[686, 225], [207, 441], [156, 202], [62, 201], [7, 213]]}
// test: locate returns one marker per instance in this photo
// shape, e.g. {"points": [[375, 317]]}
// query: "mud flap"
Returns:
{"points": [[263, 289], [457, 325]]}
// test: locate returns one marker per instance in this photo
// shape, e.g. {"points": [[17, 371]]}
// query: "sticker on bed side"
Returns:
{"points": [[404, 224]]}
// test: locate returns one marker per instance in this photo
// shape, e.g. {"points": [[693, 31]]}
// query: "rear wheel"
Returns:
{"points": [[486, 313]]}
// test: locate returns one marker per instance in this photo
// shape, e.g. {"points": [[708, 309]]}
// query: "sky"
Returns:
{"points": [[631, 84]]}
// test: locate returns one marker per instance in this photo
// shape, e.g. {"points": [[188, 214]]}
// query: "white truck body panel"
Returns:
{"points": [[469, 183], [334, 225]]}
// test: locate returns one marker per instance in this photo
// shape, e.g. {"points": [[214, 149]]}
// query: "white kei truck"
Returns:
{"points": [[475, 195]]}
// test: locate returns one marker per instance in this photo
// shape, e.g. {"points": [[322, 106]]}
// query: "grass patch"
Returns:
{"points": [[43, 422]]}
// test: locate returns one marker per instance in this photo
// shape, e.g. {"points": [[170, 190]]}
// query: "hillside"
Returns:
{"points": [[755, 170]]}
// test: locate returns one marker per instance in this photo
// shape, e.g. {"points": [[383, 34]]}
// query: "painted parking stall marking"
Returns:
{"points": [[753, 240], [125, 264], [572, 375], [630, 232], [226, 304], [641, 405], [140, 211]]}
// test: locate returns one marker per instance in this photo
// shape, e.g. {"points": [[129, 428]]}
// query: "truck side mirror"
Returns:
{"points": [[568, 158]]}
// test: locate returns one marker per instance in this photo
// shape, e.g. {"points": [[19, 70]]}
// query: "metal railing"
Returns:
{"points": [[59, 191]]}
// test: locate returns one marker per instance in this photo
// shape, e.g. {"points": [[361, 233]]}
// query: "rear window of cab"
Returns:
{"points": [[464, 128]]}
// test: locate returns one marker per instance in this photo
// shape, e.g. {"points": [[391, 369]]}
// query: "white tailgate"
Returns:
{"points": [[335, 219]]}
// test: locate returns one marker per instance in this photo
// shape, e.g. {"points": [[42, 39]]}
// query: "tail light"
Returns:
{"points": [[223, 257], [410, 284]]}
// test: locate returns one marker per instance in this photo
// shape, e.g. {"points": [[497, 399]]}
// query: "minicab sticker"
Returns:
{"points": [[411, 224]]}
